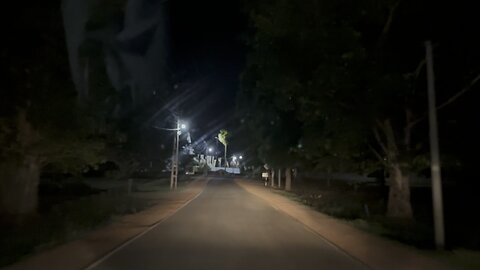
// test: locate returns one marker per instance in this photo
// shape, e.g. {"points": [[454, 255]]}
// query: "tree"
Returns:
{"points": [[39, 121], [350, 73], [222, 138], [46, 121], [279, 84]]}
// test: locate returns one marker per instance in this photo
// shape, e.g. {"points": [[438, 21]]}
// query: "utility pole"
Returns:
{"points": [[435, 153], [174, 171]]}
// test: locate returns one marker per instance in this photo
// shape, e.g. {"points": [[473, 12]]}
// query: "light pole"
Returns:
{"points": [[176, 140]]}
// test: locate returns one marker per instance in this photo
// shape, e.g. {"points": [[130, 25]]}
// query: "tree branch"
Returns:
{"points": [[379, 140], [375, 152], [408, 128], [457, 95], [386, 128], [390, 135], [386, 28], [391, 14], [419, 68], [450, 100]]}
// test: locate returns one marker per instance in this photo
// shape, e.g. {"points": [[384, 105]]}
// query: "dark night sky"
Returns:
{"points": [[207, 54]]}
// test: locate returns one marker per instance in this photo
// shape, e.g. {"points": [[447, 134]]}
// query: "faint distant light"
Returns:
{"points": [[183, 126], [300, 145], [234, 158], [240, 157], [210, 149]]}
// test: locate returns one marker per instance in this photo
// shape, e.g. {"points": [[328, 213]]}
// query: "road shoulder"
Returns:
{"points": [[376, 252], [81, 253]]}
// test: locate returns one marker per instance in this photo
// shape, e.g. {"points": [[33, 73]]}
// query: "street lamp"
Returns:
{"points": [[210, 150], [240, 157], [176, 139]]}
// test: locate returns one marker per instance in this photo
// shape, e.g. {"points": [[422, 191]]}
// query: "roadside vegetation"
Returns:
{"points": [[339, 87], [364, 205], [69, 209]]}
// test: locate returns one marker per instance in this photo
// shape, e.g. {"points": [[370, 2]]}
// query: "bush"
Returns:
{"points": [[63, 222], [365, 207]]}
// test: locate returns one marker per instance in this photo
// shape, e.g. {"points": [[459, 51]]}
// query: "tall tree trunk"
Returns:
{"points": [[20, 173], [19, 186], [399, 206], [288, 179], [272, 179], [225, 155], [279, 178]]}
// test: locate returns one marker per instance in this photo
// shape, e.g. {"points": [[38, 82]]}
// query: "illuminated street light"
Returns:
{"points": [[240, 157], [210, 150], [174, 171], [176, 139]]}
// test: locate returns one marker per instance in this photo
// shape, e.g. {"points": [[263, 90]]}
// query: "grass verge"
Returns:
{"points": [[71, 219], [365, 208]]}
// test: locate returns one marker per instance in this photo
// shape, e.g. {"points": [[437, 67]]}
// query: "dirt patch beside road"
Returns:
{"points": [[376, 252], [81, 253]]}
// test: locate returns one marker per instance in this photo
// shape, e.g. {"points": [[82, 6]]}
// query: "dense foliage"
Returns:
{"points": [[46, 125], [340, 85]]}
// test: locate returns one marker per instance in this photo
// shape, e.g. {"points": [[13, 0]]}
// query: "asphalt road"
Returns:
{"points": [[228, 228]]}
